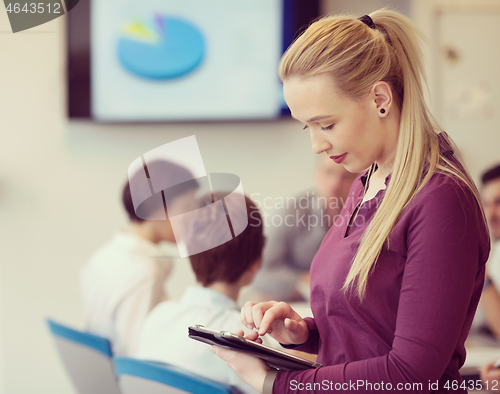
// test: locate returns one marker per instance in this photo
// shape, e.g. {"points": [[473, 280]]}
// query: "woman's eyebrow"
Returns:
{"points": [[314, 118], [319, 117]]}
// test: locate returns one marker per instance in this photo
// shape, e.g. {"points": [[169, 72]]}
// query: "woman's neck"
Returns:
{"points": [[386, 160], [382, 172]]}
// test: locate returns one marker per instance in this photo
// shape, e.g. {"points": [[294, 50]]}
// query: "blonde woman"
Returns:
{"points": [[396, 281]]}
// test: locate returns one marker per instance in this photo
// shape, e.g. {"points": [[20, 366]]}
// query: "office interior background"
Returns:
{"points": [[60, 180]]}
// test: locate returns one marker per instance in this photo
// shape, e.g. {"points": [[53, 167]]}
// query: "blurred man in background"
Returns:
{"points": [[302, 225], [490, 298], [124, 279], [221, 272]]}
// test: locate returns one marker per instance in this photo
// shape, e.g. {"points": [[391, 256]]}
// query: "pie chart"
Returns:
{"points": [[161, 47]]}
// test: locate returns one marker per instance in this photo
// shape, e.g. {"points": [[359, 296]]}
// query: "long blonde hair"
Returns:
{"points": [[357, 57]]}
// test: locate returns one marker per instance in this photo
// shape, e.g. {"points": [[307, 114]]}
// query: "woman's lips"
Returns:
{"points": [[338, 159]]}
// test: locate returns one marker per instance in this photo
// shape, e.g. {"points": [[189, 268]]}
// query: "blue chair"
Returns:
{"points": [[139, 377], [87, 359]]}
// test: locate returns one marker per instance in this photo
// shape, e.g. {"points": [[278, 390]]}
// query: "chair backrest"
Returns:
{"points": [[140, 376], [87, 359]]}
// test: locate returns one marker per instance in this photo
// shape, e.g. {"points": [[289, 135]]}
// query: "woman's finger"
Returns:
{"points": [[280, 311], [246, 315], [259, 310], [290, 324], [252, 336]]}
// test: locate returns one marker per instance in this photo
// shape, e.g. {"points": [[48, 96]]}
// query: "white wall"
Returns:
{"points": [[469, 115], [363, 7], [59, 191]]}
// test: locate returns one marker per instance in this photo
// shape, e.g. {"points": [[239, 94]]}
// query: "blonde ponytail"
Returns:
{"points": [[391, 52]]}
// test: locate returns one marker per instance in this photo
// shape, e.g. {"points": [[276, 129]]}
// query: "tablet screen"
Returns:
{"points": [[275, 358]]}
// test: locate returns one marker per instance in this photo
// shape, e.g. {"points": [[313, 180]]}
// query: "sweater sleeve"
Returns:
{"points": [[444, 271], [311, 345]]}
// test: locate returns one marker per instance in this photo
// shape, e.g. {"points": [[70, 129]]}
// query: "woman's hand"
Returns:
{"points": [[276, 318], [251, 370]]}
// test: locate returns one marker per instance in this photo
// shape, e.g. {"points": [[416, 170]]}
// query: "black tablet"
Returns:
{"points": [[275, 358]]}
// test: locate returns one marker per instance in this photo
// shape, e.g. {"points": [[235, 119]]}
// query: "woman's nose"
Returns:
{"points": [[318, 141]]}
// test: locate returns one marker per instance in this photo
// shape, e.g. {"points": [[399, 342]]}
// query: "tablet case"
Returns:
{"points": [[274, 358]]}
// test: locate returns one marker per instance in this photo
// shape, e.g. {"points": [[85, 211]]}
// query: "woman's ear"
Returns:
{"points": [[383, 98]]}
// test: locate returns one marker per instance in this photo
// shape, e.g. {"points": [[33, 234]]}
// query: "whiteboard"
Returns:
{"points": [[236, 80]]}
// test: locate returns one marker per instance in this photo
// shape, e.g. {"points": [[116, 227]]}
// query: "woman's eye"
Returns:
{"points": [[328, 127], [305, 127]]}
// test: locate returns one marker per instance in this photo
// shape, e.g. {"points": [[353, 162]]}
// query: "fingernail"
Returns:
{"points": [[249, 326]]}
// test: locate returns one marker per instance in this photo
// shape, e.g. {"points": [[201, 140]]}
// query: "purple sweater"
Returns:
{"points": [[420, 299]]}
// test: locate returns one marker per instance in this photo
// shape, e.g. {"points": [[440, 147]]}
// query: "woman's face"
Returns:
{"points": [[353, 133]]}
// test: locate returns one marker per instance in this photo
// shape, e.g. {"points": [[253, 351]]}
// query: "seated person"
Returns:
{"points": [[490, 298], [220, 273], [124, 279], [291, 246]]}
